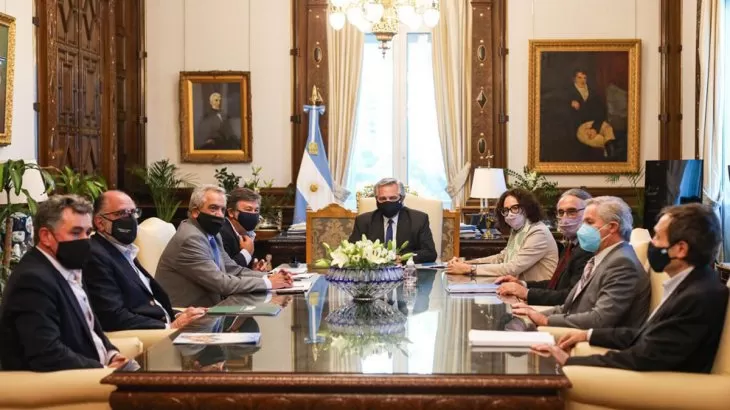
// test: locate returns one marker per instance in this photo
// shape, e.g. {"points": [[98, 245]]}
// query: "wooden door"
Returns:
{"points": [[77, 85]]}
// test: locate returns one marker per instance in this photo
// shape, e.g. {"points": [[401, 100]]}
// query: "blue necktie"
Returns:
{"points": [[214, 245], [389, 232]]}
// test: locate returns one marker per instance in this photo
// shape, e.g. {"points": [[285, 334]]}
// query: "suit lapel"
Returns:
{"points": [[402, 234], [606, 260], [122, 261], [377, 230]]}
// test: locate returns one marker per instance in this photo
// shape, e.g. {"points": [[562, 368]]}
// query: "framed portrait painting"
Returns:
{"points": [[584, 106], [7, 68], [215, 116]]}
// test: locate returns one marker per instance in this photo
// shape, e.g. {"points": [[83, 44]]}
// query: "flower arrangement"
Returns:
{"points": [[363, 254]]}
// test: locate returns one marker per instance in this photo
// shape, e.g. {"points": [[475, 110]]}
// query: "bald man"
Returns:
{"points": [[122, 293], [215, 131]]}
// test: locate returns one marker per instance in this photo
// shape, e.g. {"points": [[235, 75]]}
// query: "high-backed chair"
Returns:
{"points": [[331, 225], [153, 235], [448, 230], [597, 388], [63, 390]]}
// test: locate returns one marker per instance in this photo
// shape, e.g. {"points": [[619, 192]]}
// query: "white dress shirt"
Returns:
{"points": [[130, 254], [395, 228], [73, 277], [670, 286]]}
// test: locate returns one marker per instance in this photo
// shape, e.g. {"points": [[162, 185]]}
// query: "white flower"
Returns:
{"points": [[339, 258]]}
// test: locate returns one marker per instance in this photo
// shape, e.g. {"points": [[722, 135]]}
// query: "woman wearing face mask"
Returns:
{"points": [[531, 252]]}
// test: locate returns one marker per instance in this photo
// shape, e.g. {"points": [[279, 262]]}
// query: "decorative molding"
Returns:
{"points": [[670, 50]]}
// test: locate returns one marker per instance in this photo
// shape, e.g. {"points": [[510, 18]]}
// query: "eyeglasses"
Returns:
{"points": [[515, 209], [570, 212], [135, 212]]}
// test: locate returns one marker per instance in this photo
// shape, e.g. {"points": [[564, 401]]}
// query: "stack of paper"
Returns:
{"points": [[298, 287], [217, 338], [495, 338], [301, 268], [264, 309], [471, 287], [468, 231], [298, 229]]}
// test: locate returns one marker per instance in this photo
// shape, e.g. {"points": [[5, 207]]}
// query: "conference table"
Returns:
{"points": [[408, 350]]}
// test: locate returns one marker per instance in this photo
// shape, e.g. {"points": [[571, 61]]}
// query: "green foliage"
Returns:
{"points": [[634, 179], [163, 179], [547, 192], [69, 181], [227, 180], [255, 183], [363, 254]]}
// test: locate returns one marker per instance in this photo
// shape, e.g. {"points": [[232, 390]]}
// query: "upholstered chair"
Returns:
{"points": [[331, 225], [153, 235]]}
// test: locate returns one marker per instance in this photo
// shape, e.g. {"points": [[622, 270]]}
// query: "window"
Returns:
{"points": [[396, 134]]}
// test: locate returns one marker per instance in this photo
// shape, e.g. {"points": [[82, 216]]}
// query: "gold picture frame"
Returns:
{"points": [[584, 106], [7, 74], [215, 116]]}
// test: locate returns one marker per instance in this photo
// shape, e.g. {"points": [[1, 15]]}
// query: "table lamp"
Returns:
{"points": [[487, 183]]}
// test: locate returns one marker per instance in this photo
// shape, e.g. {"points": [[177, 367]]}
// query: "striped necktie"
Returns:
{"points": [[587, 273]]}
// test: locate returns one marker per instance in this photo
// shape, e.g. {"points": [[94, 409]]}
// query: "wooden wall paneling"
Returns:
{"points": [[670, 117], [488, 143], [310, 69]]}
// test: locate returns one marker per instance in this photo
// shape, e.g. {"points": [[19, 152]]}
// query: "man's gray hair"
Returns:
{"points": [[614, 209], [390, 181], [578, 193], [50, 212], [197, 199]]}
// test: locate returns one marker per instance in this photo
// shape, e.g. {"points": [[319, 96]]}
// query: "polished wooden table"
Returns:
{"points": [[408, 351]]}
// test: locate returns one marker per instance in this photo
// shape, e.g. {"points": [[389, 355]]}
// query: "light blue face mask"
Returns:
{"points": [[589, 237]]}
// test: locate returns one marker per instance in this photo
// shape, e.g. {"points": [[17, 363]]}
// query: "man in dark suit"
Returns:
{"points": [[393, 221], [46, 322], [237, 233], [683, 332], [570, 266], [123, 294], [215, 131]]}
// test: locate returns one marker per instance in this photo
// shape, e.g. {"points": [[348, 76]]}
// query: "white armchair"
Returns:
{"points": [[153, 235]]}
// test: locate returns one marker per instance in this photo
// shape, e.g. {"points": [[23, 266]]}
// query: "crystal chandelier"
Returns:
{"points": [[382, 17]]}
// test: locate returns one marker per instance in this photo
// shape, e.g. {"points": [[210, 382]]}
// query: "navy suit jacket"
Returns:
{"points": [[42, 327], [682, 336], [117, 294]]}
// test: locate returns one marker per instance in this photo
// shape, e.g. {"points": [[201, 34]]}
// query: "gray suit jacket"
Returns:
{"points": [[189, 274], [616, 295]]}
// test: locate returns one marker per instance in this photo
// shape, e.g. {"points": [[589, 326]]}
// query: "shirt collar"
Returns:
{"points": [[671, 284], [395, 218], [69, 275], [129, 251], [602, 254]]}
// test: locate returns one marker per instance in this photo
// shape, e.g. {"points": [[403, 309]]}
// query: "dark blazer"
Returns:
{"points": [[682, 336], [539, 292], [232, 245], [412, 227], [117, 294], [42, 327]]}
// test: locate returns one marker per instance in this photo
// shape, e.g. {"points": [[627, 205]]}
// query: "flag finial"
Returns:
{"points": [[316, 97]]}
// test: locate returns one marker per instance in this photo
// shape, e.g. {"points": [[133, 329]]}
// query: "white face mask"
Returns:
{"points": [[515, 221]]}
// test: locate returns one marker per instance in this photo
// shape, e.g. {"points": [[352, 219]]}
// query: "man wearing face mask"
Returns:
{"points": [[242, 216], [123, 294], [46, 322], [683, 332], [195, 269], [613, 289], [393, 221], [552, 292]]}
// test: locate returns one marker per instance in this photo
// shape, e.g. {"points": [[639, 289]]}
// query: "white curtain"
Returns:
{"points": [[345, 65], [451, 58], [714, 134]]}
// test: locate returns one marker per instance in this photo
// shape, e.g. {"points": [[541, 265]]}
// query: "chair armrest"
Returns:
{"points": [[54, 389], [623, 389], [585, 349], [148, 337], [557, 332], [130, 347]]}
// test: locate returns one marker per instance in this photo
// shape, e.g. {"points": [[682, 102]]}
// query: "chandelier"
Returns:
{"points": [[382, 17]]}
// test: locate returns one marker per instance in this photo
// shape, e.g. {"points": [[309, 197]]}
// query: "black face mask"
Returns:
{"points": [[211, 224], [390, 209], [124, 229], [658, 257], [248, 220], [73, 254]]}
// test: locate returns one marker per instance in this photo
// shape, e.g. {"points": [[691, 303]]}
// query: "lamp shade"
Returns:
{"points": [[33, 182], [488, 183]]}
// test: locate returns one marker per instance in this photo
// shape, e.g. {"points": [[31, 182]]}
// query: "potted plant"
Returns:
{"points": [[69, 181], [227, 180], [634, 179], [163, 179], [546, 191], [364, 269]]}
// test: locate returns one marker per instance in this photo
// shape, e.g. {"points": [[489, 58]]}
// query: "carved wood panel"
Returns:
{"points": [[76, 60], [670, 117]]}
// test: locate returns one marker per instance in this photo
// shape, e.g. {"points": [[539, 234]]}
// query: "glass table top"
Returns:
{"points": [[417, 329]]}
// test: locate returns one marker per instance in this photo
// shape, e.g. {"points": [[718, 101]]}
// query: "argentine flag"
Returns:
{"points": [[314, 183]]}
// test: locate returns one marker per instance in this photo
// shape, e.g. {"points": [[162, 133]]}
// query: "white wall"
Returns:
{"points": [[201, 35], [689, 70], [24, 132], [580, 19]]}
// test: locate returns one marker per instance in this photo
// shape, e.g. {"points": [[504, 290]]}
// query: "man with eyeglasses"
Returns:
{"points": [[394, 222], [123, 294], [570, 266]]}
